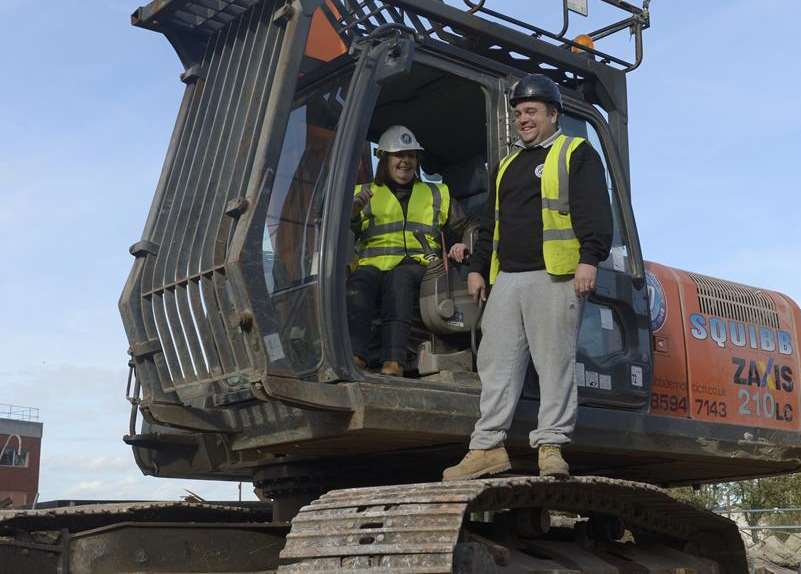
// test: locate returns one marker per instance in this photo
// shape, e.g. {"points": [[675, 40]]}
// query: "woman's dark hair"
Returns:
{"points": [[382, 170]]}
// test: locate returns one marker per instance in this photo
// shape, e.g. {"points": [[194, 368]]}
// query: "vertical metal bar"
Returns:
{"points": [[217, 189], [154, 231], [203, 291], [255, 90], [203, 176], [195, 298], [178, 181], [191, 330], [340, 24], [195, 301], [212, 112], [565, 20], [153, 277], [359, 15], [222, 319], [166, 338], [179, 335], [394, 13], [177, 221], [376, 11], [206, 179], [217, 323], [257, 116], [240, 163], [152, 370], [418, 24], [336, 14]]}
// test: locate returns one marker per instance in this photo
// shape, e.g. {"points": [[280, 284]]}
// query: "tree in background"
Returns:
{"points": [[761, 493]]}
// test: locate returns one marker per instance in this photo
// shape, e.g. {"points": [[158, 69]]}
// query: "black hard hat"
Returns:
{"points": [[538, 88]]}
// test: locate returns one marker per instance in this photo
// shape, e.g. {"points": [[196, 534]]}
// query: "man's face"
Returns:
{"points": [[402, 166], [535, 121]]}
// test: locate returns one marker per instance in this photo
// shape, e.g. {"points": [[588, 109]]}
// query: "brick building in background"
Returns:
{"points": [[21, 435]]}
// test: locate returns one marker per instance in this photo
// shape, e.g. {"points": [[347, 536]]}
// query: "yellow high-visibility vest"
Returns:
{"points": [[387, 237], [560, 248]]}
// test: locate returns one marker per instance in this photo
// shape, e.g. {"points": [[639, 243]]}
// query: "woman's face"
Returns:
{"points": [[402, 166]]}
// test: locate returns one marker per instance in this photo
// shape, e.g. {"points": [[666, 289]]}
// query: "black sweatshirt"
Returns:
{"points": [[520, 247]]}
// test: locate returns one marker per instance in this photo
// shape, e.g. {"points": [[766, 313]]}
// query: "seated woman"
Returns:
{"points": [[397, 220]]}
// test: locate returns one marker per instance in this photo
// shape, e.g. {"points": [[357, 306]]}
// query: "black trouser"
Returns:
{"points": [[397, 290]]}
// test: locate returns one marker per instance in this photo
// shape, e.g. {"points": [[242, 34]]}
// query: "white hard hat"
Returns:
{"points": [[398, 138]]}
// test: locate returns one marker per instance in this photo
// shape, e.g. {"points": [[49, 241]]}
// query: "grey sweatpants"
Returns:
{"points": [[528, 312]]}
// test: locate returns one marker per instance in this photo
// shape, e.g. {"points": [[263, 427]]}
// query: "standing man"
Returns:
{"points": [[549, 224]]}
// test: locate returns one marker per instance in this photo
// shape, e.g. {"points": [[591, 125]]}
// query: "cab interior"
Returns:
{"points": [[448, 115]]}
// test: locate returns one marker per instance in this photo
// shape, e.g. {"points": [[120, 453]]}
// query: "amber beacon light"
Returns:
{"points": [[582, 40]]}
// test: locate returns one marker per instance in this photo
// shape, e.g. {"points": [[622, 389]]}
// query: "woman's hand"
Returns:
{"points": [[362, 198], [457, 252]]}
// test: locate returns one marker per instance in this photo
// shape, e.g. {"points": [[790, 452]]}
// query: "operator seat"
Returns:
{"points": [[446, 309]]}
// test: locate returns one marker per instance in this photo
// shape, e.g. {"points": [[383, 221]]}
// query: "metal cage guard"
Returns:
{"points": [[361, 17]]}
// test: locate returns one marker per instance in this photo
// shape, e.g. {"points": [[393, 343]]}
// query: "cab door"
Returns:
{"points": [[613, 360]]}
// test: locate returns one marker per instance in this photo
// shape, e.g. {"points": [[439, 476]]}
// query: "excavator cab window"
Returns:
{"points": [[602, 333], [292, 235], [618, 258]]}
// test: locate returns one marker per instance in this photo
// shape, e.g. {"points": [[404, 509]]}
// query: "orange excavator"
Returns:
{"points": [[241, 363]]}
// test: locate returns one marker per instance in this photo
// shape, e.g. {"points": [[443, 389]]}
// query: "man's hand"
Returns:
{"points": [[360, 200], [585, 279], [476, 287], [457, 252]]}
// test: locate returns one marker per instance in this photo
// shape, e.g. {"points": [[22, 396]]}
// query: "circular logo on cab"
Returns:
{"points": [[657, 304], [406, 138]]}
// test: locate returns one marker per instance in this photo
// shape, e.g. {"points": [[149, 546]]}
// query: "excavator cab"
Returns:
{"points": [[235, 308], [460, 112]]}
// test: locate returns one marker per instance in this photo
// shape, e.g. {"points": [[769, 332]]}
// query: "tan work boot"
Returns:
{"points": [[359, 362], [392, 368], [478, 463], [551, 462]]}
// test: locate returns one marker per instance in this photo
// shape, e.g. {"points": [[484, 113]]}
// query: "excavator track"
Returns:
{"points": [[427, 528]]}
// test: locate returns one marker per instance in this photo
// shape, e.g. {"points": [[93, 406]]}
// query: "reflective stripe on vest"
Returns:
{"points": [[560, 248], [387, 237]]}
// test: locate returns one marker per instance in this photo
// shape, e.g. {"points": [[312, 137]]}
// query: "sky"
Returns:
{"points": [[87, 105]]}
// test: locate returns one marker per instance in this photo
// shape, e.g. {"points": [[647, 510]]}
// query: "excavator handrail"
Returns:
{"points": [[360, 17], [365, 14], [636, 22]]}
